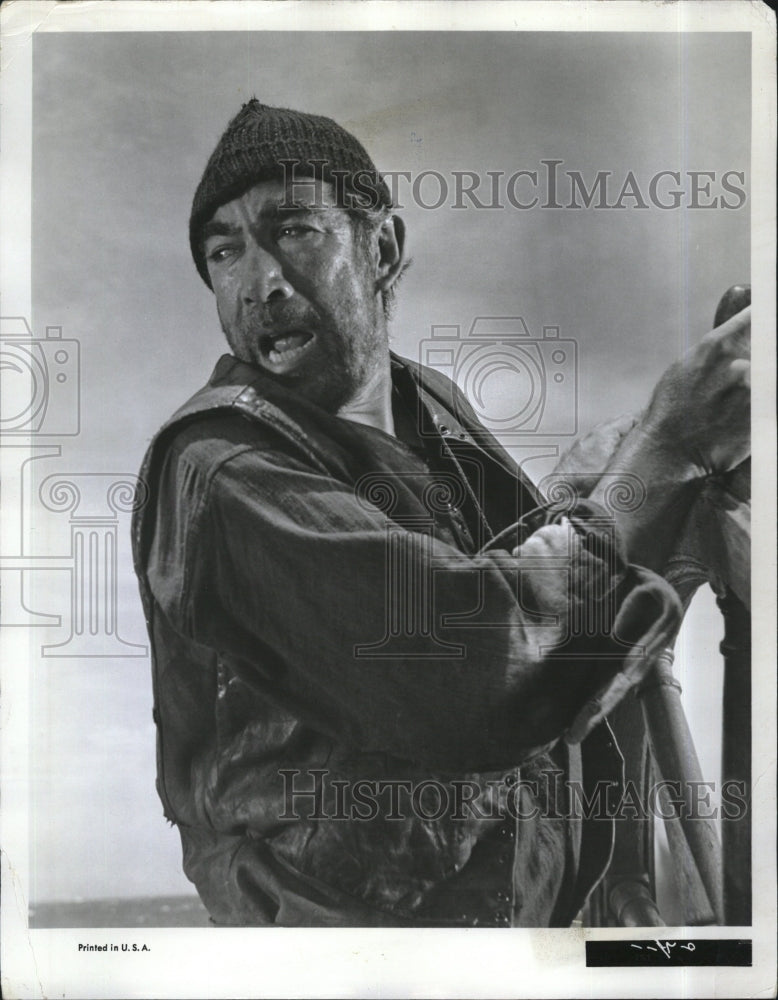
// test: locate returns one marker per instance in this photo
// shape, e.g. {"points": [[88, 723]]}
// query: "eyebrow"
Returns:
{"points": [[271, 213], [285, 207], [215, 228]]}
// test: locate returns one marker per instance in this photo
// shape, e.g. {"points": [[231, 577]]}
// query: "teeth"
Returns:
{"points": [[277, 357], [288, 347]]}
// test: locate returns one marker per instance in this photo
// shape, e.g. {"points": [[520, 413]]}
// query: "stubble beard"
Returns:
{"points": [[342, 363]]}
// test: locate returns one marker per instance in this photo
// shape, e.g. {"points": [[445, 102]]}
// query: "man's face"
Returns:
{"points": [[295, 292]]}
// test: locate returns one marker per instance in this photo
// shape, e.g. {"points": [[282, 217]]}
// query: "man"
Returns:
{"points": [[381, 666]]}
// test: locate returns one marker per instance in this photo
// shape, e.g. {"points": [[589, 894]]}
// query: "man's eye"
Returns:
{"points": [[294, 231], [219, 254]]}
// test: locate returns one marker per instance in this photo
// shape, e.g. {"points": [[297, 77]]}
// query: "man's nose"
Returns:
{"points": [[263, 277]]}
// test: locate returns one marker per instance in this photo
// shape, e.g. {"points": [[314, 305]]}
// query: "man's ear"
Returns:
{"points": [[391, 252]]}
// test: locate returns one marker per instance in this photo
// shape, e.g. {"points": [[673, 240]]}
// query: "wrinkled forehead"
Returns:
{"points": [[267, 199]]}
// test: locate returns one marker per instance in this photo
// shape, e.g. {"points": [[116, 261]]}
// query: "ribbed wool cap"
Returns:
{"points": [[252, 149]]}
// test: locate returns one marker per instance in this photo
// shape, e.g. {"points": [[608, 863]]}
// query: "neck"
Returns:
{"points": [[372, 404]]}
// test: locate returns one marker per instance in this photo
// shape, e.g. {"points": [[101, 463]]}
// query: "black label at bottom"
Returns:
{"points": [[680, 951]]}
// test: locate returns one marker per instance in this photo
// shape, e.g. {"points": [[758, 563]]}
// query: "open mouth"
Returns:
{"points": [[282, 351]]}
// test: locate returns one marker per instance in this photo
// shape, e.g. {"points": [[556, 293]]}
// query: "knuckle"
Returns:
{"points": [[740, 372]]}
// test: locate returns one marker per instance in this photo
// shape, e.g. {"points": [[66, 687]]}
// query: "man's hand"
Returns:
{"points": [[696, 424], [699, 412]]}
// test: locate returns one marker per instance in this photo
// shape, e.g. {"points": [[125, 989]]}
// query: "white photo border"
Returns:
{"points": [[427, 963]]}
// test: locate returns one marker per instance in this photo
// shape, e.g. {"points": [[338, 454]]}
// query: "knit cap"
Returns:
{"points": [[263, 142]]}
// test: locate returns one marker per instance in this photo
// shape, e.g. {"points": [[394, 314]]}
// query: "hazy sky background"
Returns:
{"points": [[122, 127]]}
